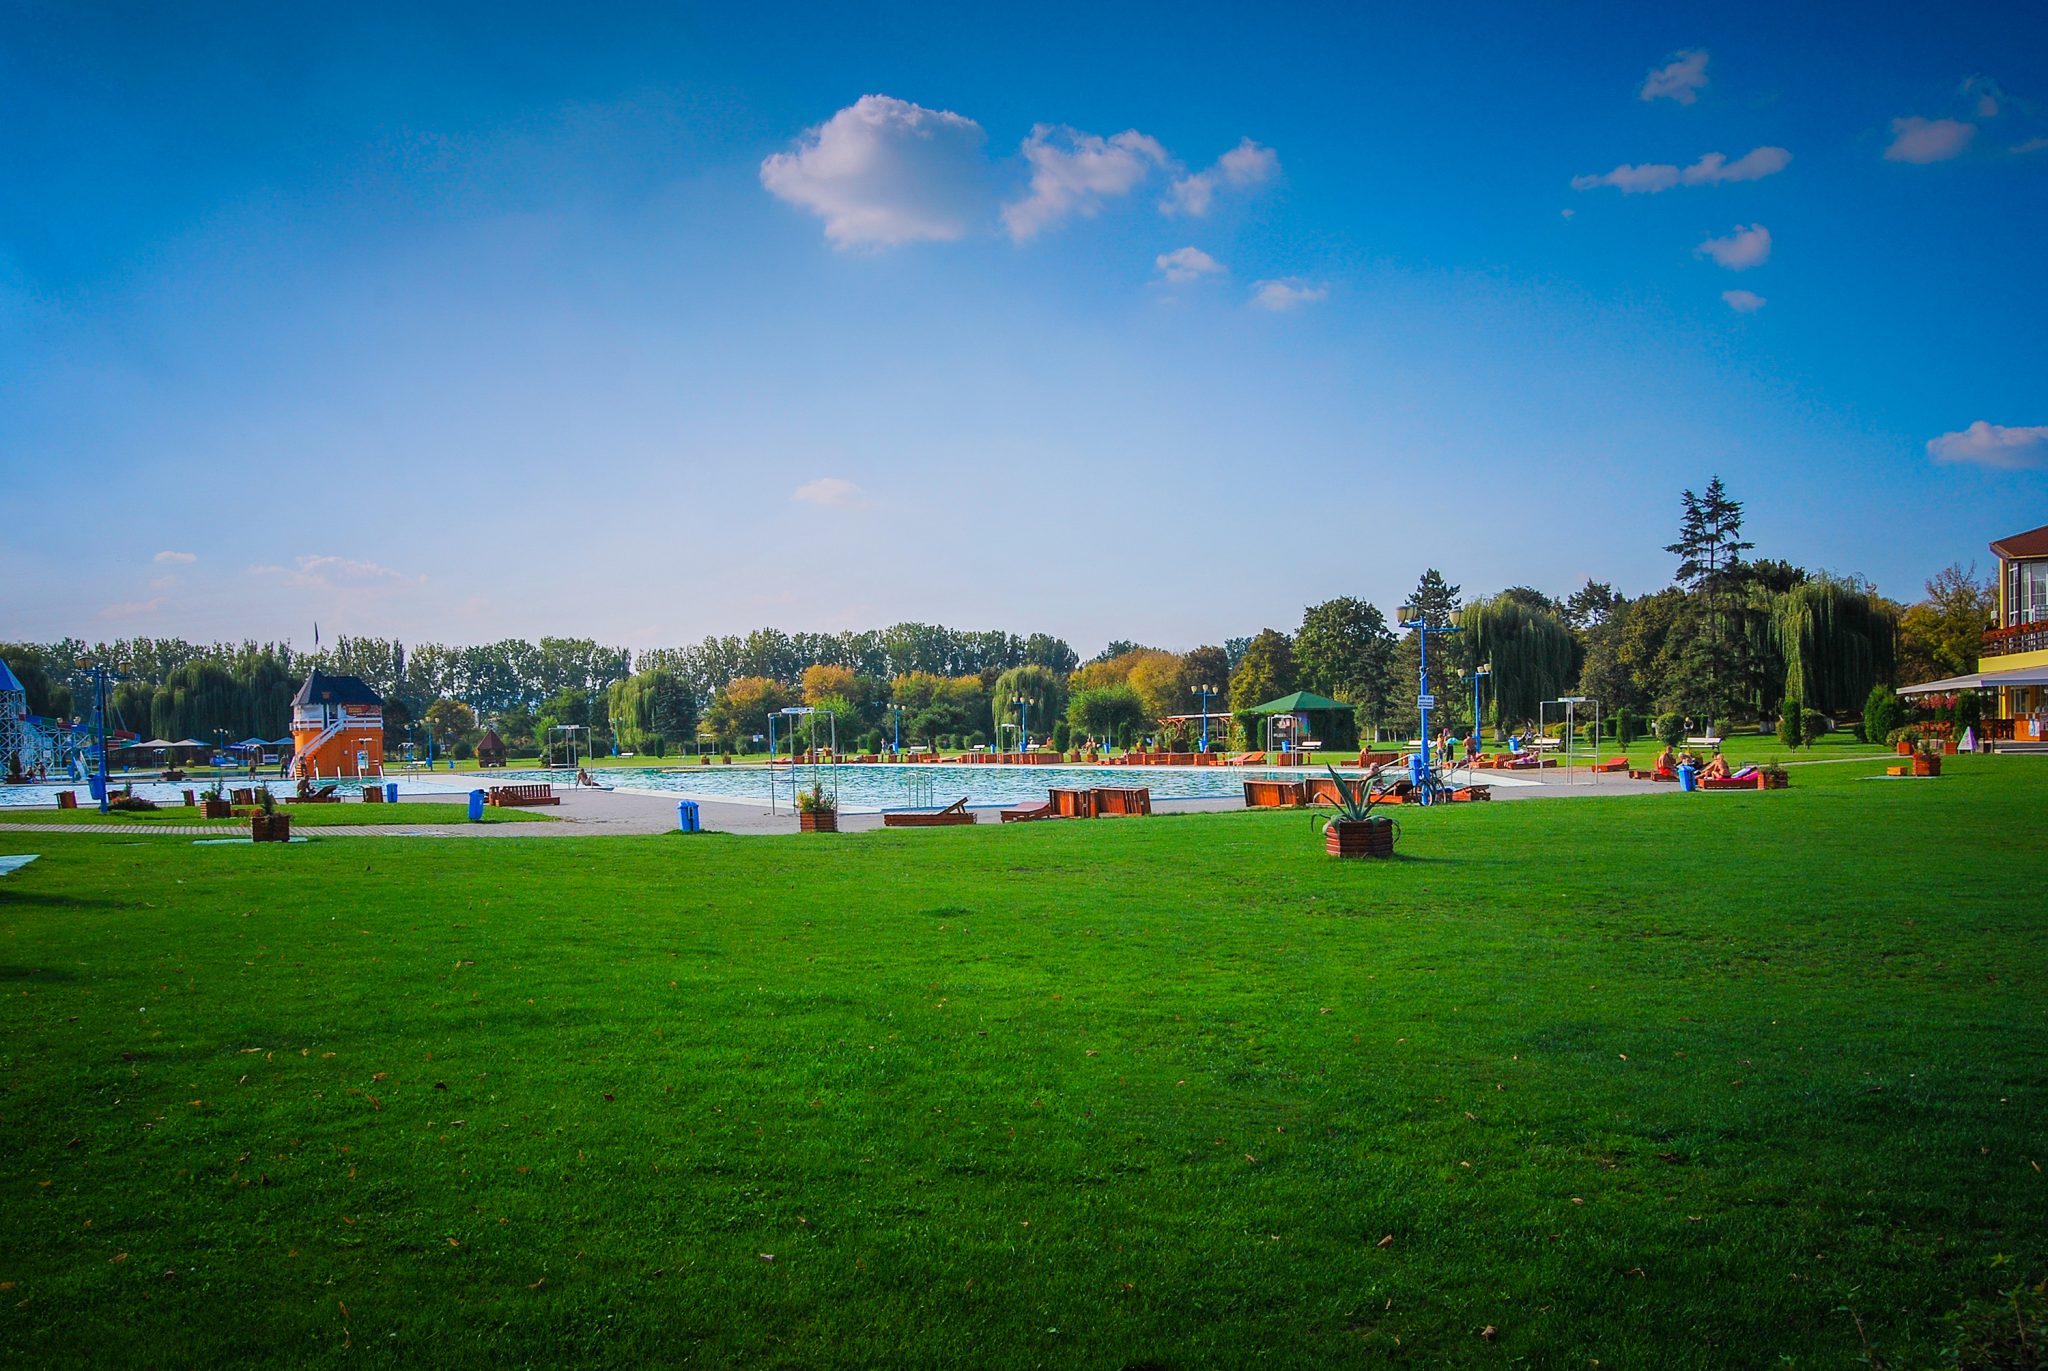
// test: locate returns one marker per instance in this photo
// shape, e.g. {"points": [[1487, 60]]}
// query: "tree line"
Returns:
{"points": [[1731, 639]]}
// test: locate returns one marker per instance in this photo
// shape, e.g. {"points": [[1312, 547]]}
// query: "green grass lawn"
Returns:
{"points": [[1664, 1082], [303, 815]]}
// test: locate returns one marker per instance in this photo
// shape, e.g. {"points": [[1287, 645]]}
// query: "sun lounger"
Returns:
{"points": [[954, 813], [1018, 814], [1612, 764], [1248, 759]]}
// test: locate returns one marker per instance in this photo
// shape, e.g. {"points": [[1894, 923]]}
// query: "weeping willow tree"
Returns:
{"points": [[1534, 656], [1837, 642]]}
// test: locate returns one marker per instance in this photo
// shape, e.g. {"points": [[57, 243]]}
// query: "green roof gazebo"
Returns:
{"points": [[1297, 706]]}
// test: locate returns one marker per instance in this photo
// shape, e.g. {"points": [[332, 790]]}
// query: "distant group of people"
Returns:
{"points": [[1715, 768]]}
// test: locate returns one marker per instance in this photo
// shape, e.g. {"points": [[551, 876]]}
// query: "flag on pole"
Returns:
{"points": [[316, 635]]}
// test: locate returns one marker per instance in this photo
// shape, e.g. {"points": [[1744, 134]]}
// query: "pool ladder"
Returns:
{"points": [[917, 792]]}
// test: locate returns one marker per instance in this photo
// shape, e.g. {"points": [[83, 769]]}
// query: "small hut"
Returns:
{"points": [[490, 750]]}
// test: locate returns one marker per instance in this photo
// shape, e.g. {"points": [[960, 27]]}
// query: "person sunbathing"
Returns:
{"points": [[584, 777], [1666, 765], [1717, 768]]}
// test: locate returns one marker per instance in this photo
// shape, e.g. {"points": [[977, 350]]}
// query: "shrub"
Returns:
{"points": [[1883, 712], [1062, 735], [1670, 729], [1969, 712], [1627, 728], [1791, 721], [1815, 725]]}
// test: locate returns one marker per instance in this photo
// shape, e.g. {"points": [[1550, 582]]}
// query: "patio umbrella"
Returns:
{"points": [[190, 742], [155, 744]]}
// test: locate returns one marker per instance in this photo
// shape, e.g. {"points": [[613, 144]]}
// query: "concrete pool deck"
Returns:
{"points": [[595, 813]]}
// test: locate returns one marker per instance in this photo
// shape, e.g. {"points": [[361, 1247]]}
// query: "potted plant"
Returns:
{"points": [[815, 813], [1355, 831], [1771, 776], [269, 824], [1926, 760], [213, 803]]}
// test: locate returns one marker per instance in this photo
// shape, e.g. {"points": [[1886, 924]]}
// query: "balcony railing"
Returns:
{"points": [[2003, 642]]}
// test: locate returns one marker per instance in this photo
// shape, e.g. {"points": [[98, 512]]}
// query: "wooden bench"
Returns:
{"points": [[1707, 740], [1275, 794], [513, 796], [1122, 801], [954, 813]]}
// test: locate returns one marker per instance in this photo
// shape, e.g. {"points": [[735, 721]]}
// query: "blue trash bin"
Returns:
{"points": [[1688, 779], [98, 788], [476, 806], [686, 817], [391, 792], [1415, 765]]}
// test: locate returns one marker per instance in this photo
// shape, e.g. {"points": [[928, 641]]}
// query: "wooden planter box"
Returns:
{"points": [[270, 828], [1905, 749], [1925, 764], [1359, 838], [817, 821], [216, 809]]}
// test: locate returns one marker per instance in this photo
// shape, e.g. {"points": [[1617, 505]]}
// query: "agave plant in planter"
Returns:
{"points": [[213, 803], [269, 824], [1355, 831], [816, 812]]}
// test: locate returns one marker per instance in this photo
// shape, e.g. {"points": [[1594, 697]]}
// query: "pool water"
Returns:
{"points": [[872, 786]]}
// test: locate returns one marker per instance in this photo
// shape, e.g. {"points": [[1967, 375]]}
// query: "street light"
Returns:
{"points": [[897, 711], [1484, 669], [1413, 617], [1206, 692], [219, 768], [1023, 724]]}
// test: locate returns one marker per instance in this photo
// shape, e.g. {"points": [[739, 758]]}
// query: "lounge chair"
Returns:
{"points": [[1612, 764], [1018, 814], [1122, 801], [954, 813]]}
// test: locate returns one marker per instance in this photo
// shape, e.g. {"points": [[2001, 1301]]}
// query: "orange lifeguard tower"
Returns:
{"points": [[337, 728]]}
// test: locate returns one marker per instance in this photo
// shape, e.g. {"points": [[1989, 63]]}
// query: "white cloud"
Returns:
{"points": [[1748, 246], [1993, 445], [1073, 172], [2031, 145], [1243, 167], [176, 558], [1186, 264], [1921, 141], [1711, 170], [134, 609], [1285, 293], [883, 172], [336, 573], [163, 583], [1679, 79], [831, 492], [1743, 301], [1986, 94]]}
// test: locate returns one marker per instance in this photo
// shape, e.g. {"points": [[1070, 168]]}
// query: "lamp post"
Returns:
{"points": [[1484, 669], [1023, 724], [1205, 691], [897, 712], [1413, 617], [219, 768]]}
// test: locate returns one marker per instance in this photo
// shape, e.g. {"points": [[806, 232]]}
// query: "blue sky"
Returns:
{"points": [[1148, 323]]}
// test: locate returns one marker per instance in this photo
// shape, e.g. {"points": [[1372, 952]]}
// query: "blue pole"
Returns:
{"points": [[99, 711], [897, 711], [1023, 725]]}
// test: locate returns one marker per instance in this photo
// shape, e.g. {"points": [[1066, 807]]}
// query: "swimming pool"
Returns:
{"points": [[871, 786]]}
